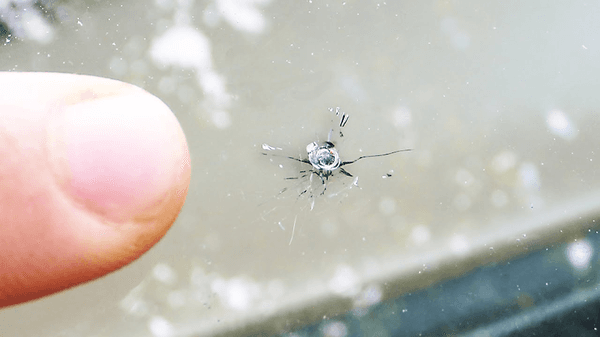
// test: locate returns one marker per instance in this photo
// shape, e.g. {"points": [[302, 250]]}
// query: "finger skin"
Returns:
{"points": [[51, 236]]}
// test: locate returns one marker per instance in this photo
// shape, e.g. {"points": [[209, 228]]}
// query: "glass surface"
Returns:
{"points": [[497, 100]]}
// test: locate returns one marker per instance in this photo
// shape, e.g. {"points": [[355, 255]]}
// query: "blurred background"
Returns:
{"points": [[486, 228]]}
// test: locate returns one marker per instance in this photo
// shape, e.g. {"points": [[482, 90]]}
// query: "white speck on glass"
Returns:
{"points": [[335, 329], [561, 125], [420, 235], [164, 273], [580, 254], [160, 327], [344, 281], [459, 244]]}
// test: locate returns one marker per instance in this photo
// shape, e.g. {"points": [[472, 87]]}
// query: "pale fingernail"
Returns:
{"points": [[117, 155]]}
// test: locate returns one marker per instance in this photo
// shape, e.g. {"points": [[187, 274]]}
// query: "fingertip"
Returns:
{"points": [[119, 156], [101, 172]]}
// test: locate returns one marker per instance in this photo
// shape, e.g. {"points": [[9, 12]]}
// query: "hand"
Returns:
{"points": [[93, 172]]}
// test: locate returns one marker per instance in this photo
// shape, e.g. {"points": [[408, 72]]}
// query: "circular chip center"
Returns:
{"points": [[323, 157]]}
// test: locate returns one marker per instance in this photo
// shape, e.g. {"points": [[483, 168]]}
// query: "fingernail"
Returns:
{"points": [[117, 155]]}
